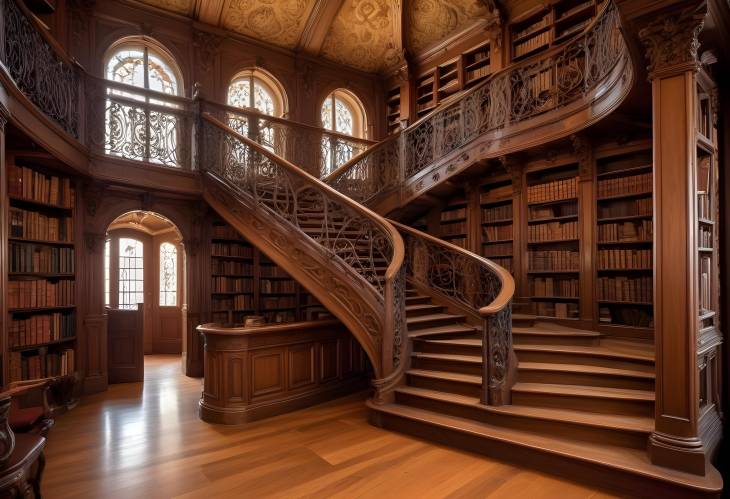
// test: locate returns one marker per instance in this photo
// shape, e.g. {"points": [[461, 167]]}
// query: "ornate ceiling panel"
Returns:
{"points": [[430, 21], [362, 35], [178, 6], [274, 21]]}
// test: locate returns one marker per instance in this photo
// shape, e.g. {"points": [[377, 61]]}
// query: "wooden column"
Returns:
{"points": [[587, 224], [671, 48], [519, 225], [4, 114]]}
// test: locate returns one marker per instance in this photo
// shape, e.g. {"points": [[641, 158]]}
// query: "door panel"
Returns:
{"points": [[125, 345]]}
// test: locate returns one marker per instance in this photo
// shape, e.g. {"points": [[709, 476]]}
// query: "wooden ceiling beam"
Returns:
{"points": [[318, 25], [209, 11]]}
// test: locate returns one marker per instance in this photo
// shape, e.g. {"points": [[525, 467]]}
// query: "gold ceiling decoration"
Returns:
{"points": [[178, 6], [433, 20], [361, 35], [280, 22]]}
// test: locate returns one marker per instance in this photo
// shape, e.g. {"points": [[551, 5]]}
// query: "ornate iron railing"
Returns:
{"points": [[139, 125], [316, 150], [39, 68], [478, 285], [357, 237], [518, 93]]}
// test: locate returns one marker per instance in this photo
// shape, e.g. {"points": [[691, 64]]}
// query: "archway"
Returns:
{"points": [[144, 291]]}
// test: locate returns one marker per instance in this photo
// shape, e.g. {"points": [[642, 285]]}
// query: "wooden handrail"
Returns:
{"points": [[384, 224], [255, 113], [213, 328], [507, 290], [43, 31], [357, 158]]}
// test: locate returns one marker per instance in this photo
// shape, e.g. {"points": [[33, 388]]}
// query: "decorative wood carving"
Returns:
{"points": [[207, 48]]}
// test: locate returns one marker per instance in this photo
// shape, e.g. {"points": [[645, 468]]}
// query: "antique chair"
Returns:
{"points": [[21, 457]]}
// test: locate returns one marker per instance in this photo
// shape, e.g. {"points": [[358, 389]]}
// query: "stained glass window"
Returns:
{"points": [[131, 273], [168, 275]]}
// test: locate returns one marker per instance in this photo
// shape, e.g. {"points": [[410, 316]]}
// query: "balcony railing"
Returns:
{"points": [[520, 92]]}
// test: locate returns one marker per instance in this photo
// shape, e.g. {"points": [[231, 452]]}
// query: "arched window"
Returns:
{"points": [[144, 131], [257, 89], [131, 273], [168, 275], [343, 113], [107, 272]]}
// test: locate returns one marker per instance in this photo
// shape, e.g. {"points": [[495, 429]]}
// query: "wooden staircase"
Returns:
{"points": [[579, 398]]}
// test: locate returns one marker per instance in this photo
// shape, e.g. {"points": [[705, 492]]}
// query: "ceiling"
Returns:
{"points": [[144, 221], [370, 35]]}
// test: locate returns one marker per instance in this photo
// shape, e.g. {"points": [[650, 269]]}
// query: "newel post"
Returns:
{"points": [[671, 44], [499, 361]]}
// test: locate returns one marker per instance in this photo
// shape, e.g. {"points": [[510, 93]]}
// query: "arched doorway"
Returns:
{"points": [[144, 291]]}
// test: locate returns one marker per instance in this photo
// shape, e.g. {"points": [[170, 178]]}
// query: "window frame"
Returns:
{"points": [[176, 270]]}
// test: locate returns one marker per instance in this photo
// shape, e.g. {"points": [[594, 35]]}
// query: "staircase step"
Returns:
{"points": [[603, 464], [430, 320], [577, 374], [416, 300], [460, 346], [447, 331], [525, 320], [587, 355], [585, 398], [423, 309], [552, 336], [464, 364], [629, 430], [446, 381]]}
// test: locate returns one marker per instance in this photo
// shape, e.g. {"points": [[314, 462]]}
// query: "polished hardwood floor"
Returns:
{"points": [[145, 440]]}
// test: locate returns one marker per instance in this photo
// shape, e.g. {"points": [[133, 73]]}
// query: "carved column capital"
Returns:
{"points": [[671, 41], [94, 241]]}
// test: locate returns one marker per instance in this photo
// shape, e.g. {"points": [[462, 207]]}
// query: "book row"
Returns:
{"points": [[26, 183], [704, 208], [631, 208], [480, 72], [455, 228], [557, 309], [278, 286], [24, 367], [503, 212], [496, 194], [497, 233], [625, 232], [232, 285], [238, 302], [225, 232], [505, 263], [449, 215], [530, 28], [278, 302], [33, 225], [273, 271], [553, 286], [553, 260], [458, 241], [621, 259], [705, 238], [706, 283], [552, 231], [231, 267], [561, 210], [527, 46], [626, 315], [41, 259], [39, 329], [500, 249], [633, 184], [231, 249], [41, 293], [553, 191], [630, 289]]}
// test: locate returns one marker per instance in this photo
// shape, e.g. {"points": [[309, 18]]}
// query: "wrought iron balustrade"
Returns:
{"points": [[39, 67], [317, 150], [540, 84], [478, 285]]}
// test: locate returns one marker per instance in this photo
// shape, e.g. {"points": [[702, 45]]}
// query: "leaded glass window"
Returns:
{"points": [[338, 114], [262, 99], [131, 273], [168, 275], [107, 272]]}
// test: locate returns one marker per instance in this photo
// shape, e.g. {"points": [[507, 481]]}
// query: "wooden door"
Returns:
{"points": [[125, 345], [167, 326]]}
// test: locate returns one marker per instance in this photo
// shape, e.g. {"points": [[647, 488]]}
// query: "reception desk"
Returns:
{"points": [[256, 372]]}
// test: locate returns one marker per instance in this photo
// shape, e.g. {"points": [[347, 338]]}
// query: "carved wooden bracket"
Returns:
{"points": [[94, 240], [671, 40], [207, 47]]}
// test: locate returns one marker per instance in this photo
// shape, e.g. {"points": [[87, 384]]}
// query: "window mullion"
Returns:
{"points": [[147, 102]]}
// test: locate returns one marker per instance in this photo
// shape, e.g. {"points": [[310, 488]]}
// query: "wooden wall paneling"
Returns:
{"points": [[586, 227], [302, 365], [268, 375], [329, 360], [4, 206]]}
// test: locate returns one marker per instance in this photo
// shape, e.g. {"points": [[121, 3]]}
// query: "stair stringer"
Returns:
{"points": [[344, 292]]}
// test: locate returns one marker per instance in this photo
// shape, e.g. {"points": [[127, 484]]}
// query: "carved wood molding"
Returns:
{"points": [[208, 48], [671, 40]]}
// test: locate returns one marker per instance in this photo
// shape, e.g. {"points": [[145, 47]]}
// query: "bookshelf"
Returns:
{"points": [[392, 102], [244, 282], [548, 25], [477, 63], [496, 218], [41, 293], [426, 98], [448, 78], [553, 245], [624, 239], [453, 224]]}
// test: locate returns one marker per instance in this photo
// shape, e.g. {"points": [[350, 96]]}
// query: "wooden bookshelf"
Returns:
{"points": [[496, 219], [41, 293], [448, 78], [425, 93], [624, 239], [553, 246], [548, 25], [477, 63], [454, 226], [244, 282], [393, 109]]}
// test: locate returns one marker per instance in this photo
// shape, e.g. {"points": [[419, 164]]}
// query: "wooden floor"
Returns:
{"points": [[139, 441]]}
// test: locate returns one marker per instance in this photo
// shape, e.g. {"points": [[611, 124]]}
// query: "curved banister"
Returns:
{"points": [[547, 81], [478, 285], [355, 159], [356, 236]]}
